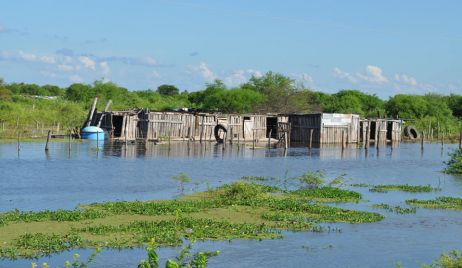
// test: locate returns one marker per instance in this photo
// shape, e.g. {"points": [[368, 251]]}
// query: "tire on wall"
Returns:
{"points": [[217, 131], [411, 132]]}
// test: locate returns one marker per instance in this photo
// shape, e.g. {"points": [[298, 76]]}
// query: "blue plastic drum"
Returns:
{"points": [[93, 133]]}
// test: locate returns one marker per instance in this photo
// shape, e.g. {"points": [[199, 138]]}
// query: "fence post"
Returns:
{"points": [[48, 140]]}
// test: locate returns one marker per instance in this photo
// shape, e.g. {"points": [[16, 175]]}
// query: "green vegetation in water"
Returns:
{"points": [[234, 211], [359, 185], [453, 259], [404, 188], [395, 209], [184, 259], [454, 165], [442, 202]]}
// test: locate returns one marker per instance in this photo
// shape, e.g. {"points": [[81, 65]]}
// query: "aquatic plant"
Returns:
{"points": [[184, 259], [312, 179], [443, 202], [232, 211], [329, 194], [182, 178], [454, 165], [453, 259], [404, 187], [395, 209], [359, 185]]}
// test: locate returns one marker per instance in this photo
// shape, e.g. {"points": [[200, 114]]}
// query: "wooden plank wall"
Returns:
{"points": [[235, 127], [169, 125], [259, 126], [333, 134], [204, 125], [381, 128], [301, 126], [395, 131]]}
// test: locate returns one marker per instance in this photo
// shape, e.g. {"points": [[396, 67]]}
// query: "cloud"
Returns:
{"points": [[344, 75], [27, 56], [406, 79], [373, 75], [205, 72], [75, 78], [240, 77], [155, 74], [87, 62], [105, 68], [145, 61]]}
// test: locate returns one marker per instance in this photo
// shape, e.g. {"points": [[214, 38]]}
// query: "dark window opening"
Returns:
{"points": [[272, 127], [117, 121]]}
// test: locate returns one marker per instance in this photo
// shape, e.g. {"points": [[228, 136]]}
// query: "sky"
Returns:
{"points": [[379, 47]]}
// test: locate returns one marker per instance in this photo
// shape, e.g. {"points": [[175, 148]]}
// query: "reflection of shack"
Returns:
{"points": [[380, 130], [324, 128]]}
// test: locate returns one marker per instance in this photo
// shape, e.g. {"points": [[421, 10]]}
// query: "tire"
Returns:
{"points": [[216, 132], [411, 132]]}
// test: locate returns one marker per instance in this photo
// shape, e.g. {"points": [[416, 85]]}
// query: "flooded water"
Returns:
{"points": [[35, 180]]}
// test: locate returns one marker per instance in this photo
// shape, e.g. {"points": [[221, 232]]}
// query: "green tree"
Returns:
{"points": [[278, 89], [167, 90], [5, 94]]}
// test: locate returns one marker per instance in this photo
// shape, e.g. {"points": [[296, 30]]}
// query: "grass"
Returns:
{"points": [[395, 209], [403, 187], [443, 202], [234, 211]]}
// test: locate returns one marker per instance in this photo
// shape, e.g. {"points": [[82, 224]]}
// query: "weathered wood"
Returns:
{"points": [[460, 140], [48, 140], [92, 111], [311, 139]]}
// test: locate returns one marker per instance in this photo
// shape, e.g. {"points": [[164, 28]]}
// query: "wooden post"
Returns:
{"points": [[253, 138], [231, 134], [460, 140], [368, 134], [48, 140], [286, 140], [19, 141], [202, 129], [19, 134], [69, 143], [97, 139], [343, 140], [269, 138], [311, 139], [92, 111], [422, 142]]}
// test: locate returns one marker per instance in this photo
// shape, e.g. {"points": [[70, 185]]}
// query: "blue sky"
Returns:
{"points": [[381, 47]]}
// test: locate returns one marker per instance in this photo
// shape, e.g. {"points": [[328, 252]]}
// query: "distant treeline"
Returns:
{"points": [[272, 92]]}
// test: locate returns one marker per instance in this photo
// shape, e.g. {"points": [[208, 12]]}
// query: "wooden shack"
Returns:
{"points": [[142, 124], [380, 130], [324, 128]]}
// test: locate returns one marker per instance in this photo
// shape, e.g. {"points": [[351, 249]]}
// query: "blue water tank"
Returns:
{"points": [[92, 133]]}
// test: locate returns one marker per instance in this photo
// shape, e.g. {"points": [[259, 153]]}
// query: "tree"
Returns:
{"points": [[5, 94], [278, 89], [168, 90]]}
